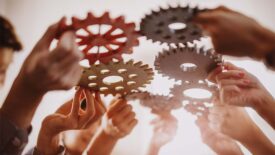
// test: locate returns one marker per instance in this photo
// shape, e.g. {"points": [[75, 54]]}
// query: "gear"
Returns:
{"points": [[175, 63], [198, 109], [132, 76], [178, 92], [172, 25], [118, 37], [157, 103]]}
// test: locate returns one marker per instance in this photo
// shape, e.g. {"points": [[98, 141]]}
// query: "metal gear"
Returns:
{"points": [[174, 63], [157, 103], [118, 37], [157, 25], [133, 77], [178, 92]]}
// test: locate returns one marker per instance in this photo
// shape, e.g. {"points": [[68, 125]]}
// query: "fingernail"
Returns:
{"points": [[246, 81], [241, 74]]}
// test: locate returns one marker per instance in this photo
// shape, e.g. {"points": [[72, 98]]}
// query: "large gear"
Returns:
{"points": [[157, 103], [157, 25], [118, 37], [178, 92], [172, 63], [133, 77]]}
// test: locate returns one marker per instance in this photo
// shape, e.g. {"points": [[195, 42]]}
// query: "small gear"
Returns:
{"points": [[118, 37], [172, 25], [157, 103], [178, 92], [187, 63], [131, 76]]}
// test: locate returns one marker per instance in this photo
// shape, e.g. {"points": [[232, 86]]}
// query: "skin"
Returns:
{"points": [[234, 122], [240, 88], [165, 129], [76, 141], [218, 142], [6, 57], [120, 123], [76, 119], [43, 70], [247, 38]]}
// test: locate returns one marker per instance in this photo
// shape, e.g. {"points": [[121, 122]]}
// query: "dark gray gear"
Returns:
{"points": [[157, 103], [178, 95], [171, 63], [155, 26]]}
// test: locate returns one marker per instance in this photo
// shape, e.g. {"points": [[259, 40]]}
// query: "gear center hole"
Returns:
{"points": [[198, 93], [178, 26], [187, 67], [111, 80]]}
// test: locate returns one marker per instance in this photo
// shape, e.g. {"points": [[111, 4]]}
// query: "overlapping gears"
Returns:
{"points": [[196, 106], [173, 25], [103, 38], [133, 77], [157, 103], [174, 63]]}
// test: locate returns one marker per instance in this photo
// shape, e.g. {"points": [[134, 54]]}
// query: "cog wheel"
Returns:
{"points": [[172, 25], [178, 92], [157, 103], [102, 38], [116, 77], [187, 63]]}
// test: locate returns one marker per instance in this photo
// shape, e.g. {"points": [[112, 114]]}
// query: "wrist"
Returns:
{"points": [[109, 136], [266, 44]]}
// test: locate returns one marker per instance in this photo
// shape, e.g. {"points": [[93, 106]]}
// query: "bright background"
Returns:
{"points": [[31, 18]]}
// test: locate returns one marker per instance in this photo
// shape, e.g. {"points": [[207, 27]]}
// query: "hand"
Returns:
{"points": [[82, 138], [235, 123], [246, 38], [165, 129], [42, 71], [238, 87], [54, 124], [121, 119], [56, 69], [217, 141]]}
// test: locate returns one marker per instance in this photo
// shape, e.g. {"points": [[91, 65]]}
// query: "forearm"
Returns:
{"points": [[266, 109], [105, 140], [258, 143], [21, 104], [153, 149], [48, 145]]}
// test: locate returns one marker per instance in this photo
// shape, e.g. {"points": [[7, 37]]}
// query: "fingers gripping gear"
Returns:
{"points": [[102, 38], [172, 25], [175, 63], [132, 76]]}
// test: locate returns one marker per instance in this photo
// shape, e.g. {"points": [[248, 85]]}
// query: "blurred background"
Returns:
{"points": [[32, 17]]}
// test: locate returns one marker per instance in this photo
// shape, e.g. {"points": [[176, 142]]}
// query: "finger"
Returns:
{"points": [[230, 66], [100, 102], [76, 103], [235, 74], [120, 116], [118, 105], [131, 116], [133, 123], [228, 82], [229, 92], [205, 18], [90, 103], [49, 35], [212, 75]]}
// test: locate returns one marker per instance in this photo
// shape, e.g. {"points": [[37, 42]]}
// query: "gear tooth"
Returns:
{"points": [[106, 15], [90, 16], [130, 62], [137, 64], [120, 19]]}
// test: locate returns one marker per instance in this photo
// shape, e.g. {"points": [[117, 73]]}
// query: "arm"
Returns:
{"points": [[240, 88], [120, 123]]}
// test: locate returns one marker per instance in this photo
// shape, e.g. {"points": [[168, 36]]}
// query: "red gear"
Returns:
{"points": [[104, 40]]}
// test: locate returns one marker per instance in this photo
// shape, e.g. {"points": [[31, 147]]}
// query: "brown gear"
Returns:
{"points": [[157, 103], [114, 47], [134, 75], [169, 63]]}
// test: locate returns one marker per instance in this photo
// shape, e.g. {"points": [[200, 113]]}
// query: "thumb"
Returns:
{"points": [[67, 41], [50, 35]]}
